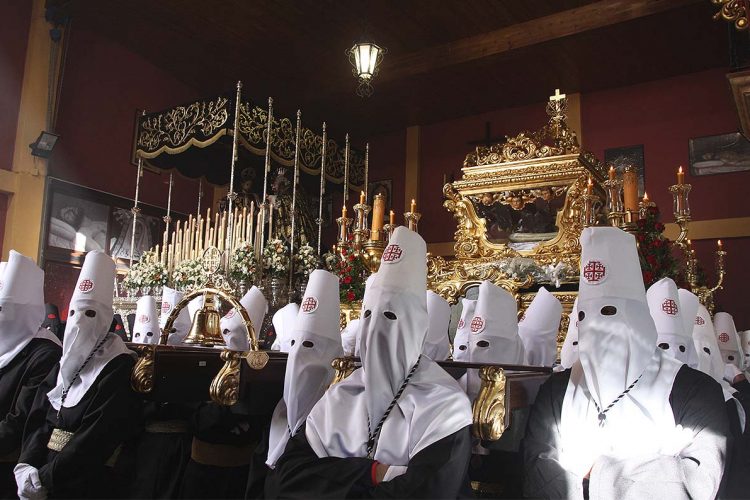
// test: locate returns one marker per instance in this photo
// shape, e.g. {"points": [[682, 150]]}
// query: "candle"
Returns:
{"points": [[393, 218], [378, 213], [721, 247], [589, 187], [645, 198], [367, 165], [612, 173], [361, 197], [346, 170], [630, 188], [343, 212], [680, 176], [413, 208], [270, 222]]}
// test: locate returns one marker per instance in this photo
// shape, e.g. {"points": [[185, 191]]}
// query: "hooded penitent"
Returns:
{"points": [[745, 342], [181, 326], [437, 344], [689, 304], [361, 416], [146, 329], [707, 350], [351, 334], [86, 332], [729, 341], [232, 327], [666, 311], [569, 351], [461, 339], [283, 323], [539, 327], [315, 343], [493, 332], [21, 306], [617, 399]]}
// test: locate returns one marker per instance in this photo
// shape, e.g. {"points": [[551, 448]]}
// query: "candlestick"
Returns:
{"points": [[346, 170], [378, 213], [630, 188], [412, 219], [612, 173], [588, 216], [367, 170], [615, 213], [680, 176], [319, 220]]}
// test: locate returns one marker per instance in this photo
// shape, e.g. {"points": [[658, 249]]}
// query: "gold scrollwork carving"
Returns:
{"points": [[142, 377], [225, 387], [734, 11], [344, 367], [490, 406]]}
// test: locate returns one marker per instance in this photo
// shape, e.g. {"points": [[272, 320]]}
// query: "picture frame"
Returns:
{"points": [[622, 156], [719, 154], [384, 187]]}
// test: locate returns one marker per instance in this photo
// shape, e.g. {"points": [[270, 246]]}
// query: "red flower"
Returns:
{"points": [[648, 277], [351, 258], [659, 226], [651, 260], [350, 296], [347, 280]]}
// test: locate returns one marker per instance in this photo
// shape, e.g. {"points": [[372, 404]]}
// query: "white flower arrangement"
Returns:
{"points": [[148, 272], [521, 267], [276, 257], [331, 261], [305, 261], [243, 265], [189, 274]]}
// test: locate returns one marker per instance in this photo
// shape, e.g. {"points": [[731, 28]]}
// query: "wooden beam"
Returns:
{"points": [[543, 29]]}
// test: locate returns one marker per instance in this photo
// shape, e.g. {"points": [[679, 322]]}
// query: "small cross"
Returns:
{"points": [[557, 97]]}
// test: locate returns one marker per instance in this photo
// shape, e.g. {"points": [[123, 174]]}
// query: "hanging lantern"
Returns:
{"points": [[366, 58]]}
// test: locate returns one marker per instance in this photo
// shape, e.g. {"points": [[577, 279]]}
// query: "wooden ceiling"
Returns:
{"points": [[445, 58]]}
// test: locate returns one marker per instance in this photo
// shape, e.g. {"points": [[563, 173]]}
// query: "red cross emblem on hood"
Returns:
{"points": [[669, 306], [594, 272], [477, 324], [165, 307], [143, 318], [86, 285], [309, 305], [392, 253], [724, 337], [699, 321]]}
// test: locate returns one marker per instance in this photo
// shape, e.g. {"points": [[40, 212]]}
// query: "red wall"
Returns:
{"points": [[103, 86], [14, 35]]}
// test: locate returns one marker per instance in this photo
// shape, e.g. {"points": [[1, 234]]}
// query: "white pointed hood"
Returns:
{"points": [[181, 326], [146, 327], [461, 339], [494, 332], [729, 341], [86, 331], [431, 406], [539, 327], [232, 327], [349, 336], [437, 343], [569, 351], [666, 310], [315, 343], [617, 349], [709, 356], [745, 342], [21, 306], [283, 323]]}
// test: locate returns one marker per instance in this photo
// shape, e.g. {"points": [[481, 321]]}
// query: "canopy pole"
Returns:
{"points": [[231, 194], [135, 208], [322, 185], [295, 179]]}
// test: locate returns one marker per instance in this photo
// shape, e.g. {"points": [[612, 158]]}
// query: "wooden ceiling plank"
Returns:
{"points": [[570, 22]]}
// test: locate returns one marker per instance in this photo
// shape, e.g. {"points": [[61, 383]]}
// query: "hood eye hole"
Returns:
{"points": [[149, 334], [368, 313], [90, 313], [462, 348], [483, 343], [730, 358], [575, 342], [707, 350], [389, 315], [72, 312], [682, 348], [292, 342], [226, 331], [609, 311], [664, 346], [308, 343], [581, 315], [137, 334]]}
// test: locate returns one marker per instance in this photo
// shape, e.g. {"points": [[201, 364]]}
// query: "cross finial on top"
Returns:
{"points": [[557, 97]]}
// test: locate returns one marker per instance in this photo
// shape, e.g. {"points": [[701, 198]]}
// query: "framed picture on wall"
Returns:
{"points": [[79, 220], [623, 156], [383, 187], [719, 154]]}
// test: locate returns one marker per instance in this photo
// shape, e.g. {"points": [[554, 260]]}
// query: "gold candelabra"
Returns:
{"points": [[705, 292], [681, 210]]}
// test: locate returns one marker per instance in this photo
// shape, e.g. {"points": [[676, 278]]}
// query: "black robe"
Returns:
{"points": [[154, 462], [19, 380], [736, 481], [227, 426], [438, 471], [101, 421], [697, 403]]}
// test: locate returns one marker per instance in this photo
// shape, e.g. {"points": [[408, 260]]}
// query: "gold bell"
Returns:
{"points": [[205, 330]]}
